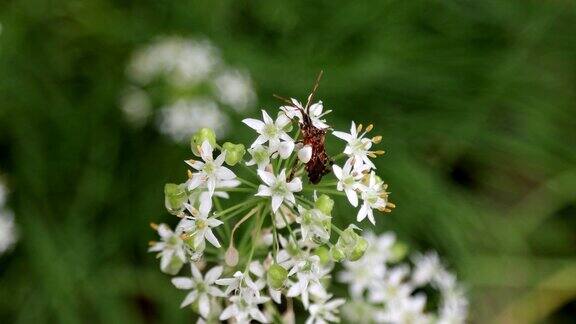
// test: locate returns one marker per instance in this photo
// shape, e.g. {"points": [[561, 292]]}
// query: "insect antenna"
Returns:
{"points": [[311, 96]]}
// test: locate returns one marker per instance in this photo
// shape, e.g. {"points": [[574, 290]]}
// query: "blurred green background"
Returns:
{"points": [[476, 101]]}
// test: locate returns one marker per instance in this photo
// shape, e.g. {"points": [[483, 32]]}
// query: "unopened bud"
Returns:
{"points": [[325, 204], [305, 154], [276, 276], [234, 153], [231, 257], [175, 196], [204, 134], [324, 254], [337, 254], [398, 252], [359, 249]]}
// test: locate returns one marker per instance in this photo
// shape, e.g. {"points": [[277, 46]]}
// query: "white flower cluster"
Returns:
{"points": [[391, 291], [8, 232], [281, 243], [188, 79]]}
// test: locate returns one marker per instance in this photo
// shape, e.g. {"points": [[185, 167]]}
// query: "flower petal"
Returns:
{"points": [[182, 283], [211, 238], [213, 274], [255, 124], [267, 177]]}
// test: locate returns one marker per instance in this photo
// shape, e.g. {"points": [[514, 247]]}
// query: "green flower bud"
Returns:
{"points": [[204, 134], [175, 196], [337, 253], [398, 252], [276, 276], [352, 245], [359, 249], [293, 248], [234, 153], [324, 254], [325, 204]]}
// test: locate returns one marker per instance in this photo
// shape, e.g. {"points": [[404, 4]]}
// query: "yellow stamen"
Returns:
{"points": [[369, 128], [359, 128], [376, 139], [189, 174], [154, 226]]}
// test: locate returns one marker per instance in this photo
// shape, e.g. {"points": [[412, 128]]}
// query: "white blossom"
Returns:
{"points": [[308, 273], [171, 250], [210, 171], [278, 188], [427, 267], [357, 148], [199, 228], [270, 131], [202, 288], [348, 181], [234, 88], [324, 311], [244, 309], [373, 197], [260, 156], [183, 118]]}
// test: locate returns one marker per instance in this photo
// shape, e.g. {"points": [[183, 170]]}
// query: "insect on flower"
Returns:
{"points": [[320, 163]]}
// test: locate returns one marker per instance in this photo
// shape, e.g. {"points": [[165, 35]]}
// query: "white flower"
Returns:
{"points": [[379, 247], [308, 272], [361, 275], [183, 118], [427, 267], [200, 227], [393, 288], [314, 225], [278, 188], [357, 147], [210, 171], [234, 88], [348, 181], [324, 311], [453, 308], [244, 309], [171, 250], [202, 288], [270, 131], [407, 310], [8, 232], [315, 113], [239, 283], [260, 156], [373, 197]]}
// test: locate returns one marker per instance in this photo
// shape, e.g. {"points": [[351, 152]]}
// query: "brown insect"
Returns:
{"points": [[320, 163]]}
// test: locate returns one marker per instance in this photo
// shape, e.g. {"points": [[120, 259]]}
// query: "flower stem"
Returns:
{"points": [[248, 183], [339, 231], [260, 222]]}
